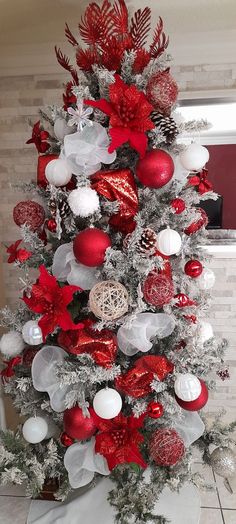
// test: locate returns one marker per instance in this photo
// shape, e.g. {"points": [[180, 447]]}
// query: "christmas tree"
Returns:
{"points": [[109, 356]]}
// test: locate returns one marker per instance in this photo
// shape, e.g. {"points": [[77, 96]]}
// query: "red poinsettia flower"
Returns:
{"points": [[119, 440], [51, 301], [129, 112], [68, 97], [17, 255], [39, 138], [200, 182], [9, 370]]}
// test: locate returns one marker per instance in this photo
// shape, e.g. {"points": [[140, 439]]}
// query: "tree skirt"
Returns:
{"points": [[93, 508]]}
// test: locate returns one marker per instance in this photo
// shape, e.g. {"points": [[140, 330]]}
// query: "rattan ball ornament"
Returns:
{"points": [[29, 213], [108, 300], [166, 447], [158, 289]]}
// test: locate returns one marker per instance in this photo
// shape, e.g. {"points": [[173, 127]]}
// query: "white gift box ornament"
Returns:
{"points": [[44, 375], [137, 335], [66, 268], [82, 462]]}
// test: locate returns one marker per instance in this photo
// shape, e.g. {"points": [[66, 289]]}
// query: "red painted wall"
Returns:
{"points": [[222, 173]]}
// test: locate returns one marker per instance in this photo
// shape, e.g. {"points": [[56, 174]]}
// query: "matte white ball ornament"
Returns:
{"points": [[35, 430], [205, 331], [83, 201], [107, 403], [32, 333], [61, 129], [11, 344], [187, 387], [207, 279], [58, 172], [194, 157], [169, 242]]}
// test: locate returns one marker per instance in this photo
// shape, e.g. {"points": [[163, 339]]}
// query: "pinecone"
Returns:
{"points": [[64, 209], [52, 206], [167, 126], [147, 242]]}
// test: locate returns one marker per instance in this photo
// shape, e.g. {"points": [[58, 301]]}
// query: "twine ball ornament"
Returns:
{"points": [[162, 91], [158, 289], [223, 462], [29, 213], [108, 300], [166, 447]]}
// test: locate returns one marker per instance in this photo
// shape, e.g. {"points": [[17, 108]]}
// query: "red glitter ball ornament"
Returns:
{"points": [[29, 213], [51, 225], [198, 224], [90, 246], [155, 409], [158, 289], [77, 426], [166, 447], [193, 268], [162, 91], [178, 205], [66, 440], [198, 403], [155, 169]]}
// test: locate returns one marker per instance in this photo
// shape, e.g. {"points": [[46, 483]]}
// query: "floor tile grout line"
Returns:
{"points": [[16, 496], [218, 495]]}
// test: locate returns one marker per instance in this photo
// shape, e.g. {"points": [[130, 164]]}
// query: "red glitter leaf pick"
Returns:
{"points": [[71, 39], [120, 18], [96, 24], [160, 42], [140, 27], [64, 62]]}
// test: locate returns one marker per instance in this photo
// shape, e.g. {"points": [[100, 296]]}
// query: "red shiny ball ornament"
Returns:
{"points": [[193, 268], [178, 205], [196, 226], [90, 246], [29, 213], [77, 426], [158, 289], [51, 225], [183, 300], [198, 403], [162, 91], [155, 410], [166, 447], [66, 440], [155, 169], [191, 318]]}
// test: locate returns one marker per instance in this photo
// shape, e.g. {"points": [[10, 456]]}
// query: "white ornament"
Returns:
{"points": [[107, 403], [205, 331], [189, 426], [58, 172], [35, 430], [66, 268], [80, 115], [137, 334], [61, 129], [32, 333], [187, 387], [44, 375], [169, 242], [194, 157], [207, 279], [82, 462], [85, 150], [83, 201], [11, 344]]}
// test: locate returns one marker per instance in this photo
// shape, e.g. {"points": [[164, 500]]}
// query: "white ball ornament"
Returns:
{"points": [[83, 201], [194, 157], [187, 387], [169, 242], [205, 331], [35, 429], [11, 344], [61, 129], [58, 172], [107, 403], [32, 333], [207, 279]]}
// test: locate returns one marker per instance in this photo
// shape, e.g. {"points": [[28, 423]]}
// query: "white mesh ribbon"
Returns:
{"points": [[65, 268], [82, 462], [137, 335], [44, 375], [190, 427]]}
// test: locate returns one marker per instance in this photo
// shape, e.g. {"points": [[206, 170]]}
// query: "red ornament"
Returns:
{"points": [[191, 318], [200, 182], [198, 403], [90, 246], [183, 300], [69, 98], [196, 226], [39, 138], [30, 213], [155, 410], [101, 345], [9, 370], [162, 91], [118, 185], [193, 268], [178, 205], [51, 225], [51, 301], [77, 426], [28, 355], [166, 447], [66, 440], [155, 169], [167, 271], [43, 161], [158, 289], [17, 255], [129, 112]]}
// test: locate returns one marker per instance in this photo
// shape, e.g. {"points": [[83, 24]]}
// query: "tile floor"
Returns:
{"points": [[218, 506]]}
